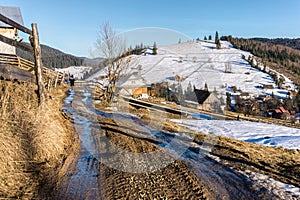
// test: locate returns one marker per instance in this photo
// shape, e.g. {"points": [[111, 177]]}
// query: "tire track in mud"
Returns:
{"points": [[99, 173]]}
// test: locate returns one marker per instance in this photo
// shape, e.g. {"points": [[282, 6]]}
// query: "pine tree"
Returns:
{"points": [[205, 86], [228, 100], [216, 37], [209, 37], [154, 49], [205, 38], [281, 81], [217, 41]]}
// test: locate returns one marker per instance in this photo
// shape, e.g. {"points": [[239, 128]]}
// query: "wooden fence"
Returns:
{"points": [[50, 76], [43, 76]]}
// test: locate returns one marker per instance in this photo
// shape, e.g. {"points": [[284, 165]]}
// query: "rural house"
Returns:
{"points": [[207, 100], [245, 95], [268, 86], [280, 113], [13, 13], [133, 85]]}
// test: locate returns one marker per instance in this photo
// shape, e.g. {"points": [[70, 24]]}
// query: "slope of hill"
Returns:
{"points": [[278, 57], [199, 63], [293, 43]]}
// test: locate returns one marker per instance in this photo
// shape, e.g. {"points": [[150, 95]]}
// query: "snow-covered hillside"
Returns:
{"points": [[198, 62], [77, 71]]}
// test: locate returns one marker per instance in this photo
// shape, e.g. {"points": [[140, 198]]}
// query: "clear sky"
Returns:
{"points": [[72, 25]]}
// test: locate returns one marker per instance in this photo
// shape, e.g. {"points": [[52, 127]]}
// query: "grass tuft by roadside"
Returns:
{"points": [[33, 143]]}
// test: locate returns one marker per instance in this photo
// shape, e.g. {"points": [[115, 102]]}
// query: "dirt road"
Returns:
{"points": [[128, 157]]}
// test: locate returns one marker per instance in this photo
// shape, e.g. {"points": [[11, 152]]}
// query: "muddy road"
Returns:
{"points": [[127, 156]]}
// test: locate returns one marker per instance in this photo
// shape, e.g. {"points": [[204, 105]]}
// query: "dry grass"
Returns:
{"points": [[33, 142]]}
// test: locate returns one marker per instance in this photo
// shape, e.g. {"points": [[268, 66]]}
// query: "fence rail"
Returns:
{"points": [[21, 63]]}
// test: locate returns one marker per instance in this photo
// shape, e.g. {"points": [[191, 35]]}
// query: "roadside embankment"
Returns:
{"points": [[34, 143]]}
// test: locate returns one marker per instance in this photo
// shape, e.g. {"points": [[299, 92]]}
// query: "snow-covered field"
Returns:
{"points": [[260, 133], [198, 62]]}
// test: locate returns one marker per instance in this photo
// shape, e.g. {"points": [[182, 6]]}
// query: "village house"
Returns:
{"points": [[133, 85], [268, 86], [13, 13], [178, 78], [279, 113], [262, 98], [245, 95], [207, 100], [292, 93]]}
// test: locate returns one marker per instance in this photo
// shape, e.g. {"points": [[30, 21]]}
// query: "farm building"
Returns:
{"points": [[13, 13], [279, 113], [133, 85], [245, 95], [207, 100], [268, 86]]}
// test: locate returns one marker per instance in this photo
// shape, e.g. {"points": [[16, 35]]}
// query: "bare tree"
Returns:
{"points": [[112, 48]]}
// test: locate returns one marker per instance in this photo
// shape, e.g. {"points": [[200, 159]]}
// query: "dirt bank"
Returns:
{"points": [[34, 142]]}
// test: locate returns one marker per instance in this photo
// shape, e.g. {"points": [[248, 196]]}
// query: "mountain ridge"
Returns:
{"points": [[54, 58], [293, 43]]}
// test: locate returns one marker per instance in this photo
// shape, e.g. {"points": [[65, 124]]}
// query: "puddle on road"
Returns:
{"points": [[82, 182]]}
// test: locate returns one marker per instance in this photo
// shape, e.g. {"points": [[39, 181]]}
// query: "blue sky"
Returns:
{"points": [[72, 26]]}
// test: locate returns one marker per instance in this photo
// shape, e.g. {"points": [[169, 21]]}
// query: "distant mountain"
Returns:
{"points": [[293, 43], [54, 58]]}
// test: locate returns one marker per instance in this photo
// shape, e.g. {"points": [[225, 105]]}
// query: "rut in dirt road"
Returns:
{"points": [[116, 145], [80, 181]]}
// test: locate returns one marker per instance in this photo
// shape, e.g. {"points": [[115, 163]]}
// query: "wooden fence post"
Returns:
{"points": [[38, 64], [56, 79]]}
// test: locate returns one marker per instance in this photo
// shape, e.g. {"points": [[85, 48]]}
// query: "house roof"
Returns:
{"points": [[245, 94], [13, 13], [131, 81], [201, 95], [283, 109]]}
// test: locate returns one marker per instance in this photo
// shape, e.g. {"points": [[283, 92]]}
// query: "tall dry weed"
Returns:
{"points": [[33, 142]]}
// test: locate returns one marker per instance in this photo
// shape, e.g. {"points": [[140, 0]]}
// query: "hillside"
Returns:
{"points": [[53, 58], [278, 57], [293, 43], [200, 62]]}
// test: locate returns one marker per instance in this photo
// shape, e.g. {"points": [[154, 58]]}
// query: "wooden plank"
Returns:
{"points": [[15, 24], [12, 42], [12, 73]]}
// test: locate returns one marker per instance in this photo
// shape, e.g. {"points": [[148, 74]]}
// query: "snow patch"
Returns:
{"points": [[260, 133]]}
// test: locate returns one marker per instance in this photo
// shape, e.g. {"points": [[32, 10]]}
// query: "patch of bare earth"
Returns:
{"points": [[175, 181]]}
